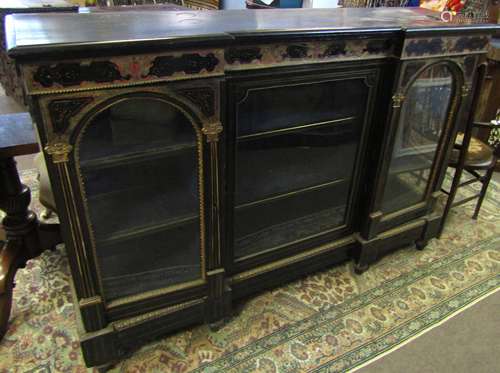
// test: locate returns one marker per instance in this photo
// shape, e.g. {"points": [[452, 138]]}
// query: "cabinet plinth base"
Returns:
{"points": [[120, 338], [418, 232]]}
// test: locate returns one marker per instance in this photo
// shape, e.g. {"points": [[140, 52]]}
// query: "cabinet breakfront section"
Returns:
{"points": [[191, 172]]}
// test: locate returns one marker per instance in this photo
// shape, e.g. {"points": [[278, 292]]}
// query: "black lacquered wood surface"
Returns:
{"points": [[43, 33]]}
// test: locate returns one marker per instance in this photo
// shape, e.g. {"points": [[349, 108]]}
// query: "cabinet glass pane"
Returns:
{"points": [[296, 150], [139, 165], [422, 120]]}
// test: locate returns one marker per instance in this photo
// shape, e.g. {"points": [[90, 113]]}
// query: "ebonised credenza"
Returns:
{"points": [[198, 157]]}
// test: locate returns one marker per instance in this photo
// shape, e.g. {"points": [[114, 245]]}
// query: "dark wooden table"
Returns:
{"points": [[17, 136], [25, 235]]}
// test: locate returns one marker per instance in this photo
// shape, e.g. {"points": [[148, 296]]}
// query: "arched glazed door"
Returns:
{"points": [[422, 123], [139, 162]]}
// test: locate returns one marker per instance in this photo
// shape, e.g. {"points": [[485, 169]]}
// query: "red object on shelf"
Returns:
{"points": [[455, 5]]}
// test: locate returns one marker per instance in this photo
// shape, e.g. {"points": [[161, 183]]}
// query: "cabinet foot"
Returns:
{"points": [[218, 325], [360, 268], [105, 367], [420, 245]]}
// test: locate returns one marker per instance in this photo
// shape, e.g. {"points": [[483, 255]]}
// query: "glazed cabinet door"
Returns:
{"points": [[138, 161], [296, 142], [141, 195], [425, 109], [421, 124]]}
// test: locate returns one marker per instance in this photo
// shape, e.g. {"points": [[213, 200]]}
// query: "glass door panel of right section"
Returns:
{"points": [[296, 150], [422, 120]]}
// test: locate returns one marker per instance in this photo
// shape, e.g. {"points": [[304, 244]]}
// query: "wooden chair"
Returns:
{"points": [[474, 156]]}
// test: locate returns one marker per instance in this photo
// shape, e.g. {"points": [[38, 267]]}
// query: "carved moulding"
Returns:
{"points": [[397, 100], [212, 130], [59, 150], [466, 90]]}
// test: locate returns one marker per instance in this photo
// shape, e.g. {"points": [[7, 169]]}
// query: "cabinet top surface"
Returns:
{"points": [[45, 33]]}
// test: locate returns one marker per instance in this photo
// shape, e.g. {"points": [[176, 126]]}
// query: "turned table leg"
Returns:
{"points": [[25, 236]]}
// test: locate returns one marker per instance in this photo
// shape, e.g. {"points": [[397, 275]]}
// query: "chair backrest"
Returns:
{"points": [[494, 136], [469, 126]]}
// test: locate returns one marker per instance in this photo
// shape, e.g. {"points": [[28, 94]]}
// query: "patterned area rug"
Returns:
{"points": [[332, 321]]}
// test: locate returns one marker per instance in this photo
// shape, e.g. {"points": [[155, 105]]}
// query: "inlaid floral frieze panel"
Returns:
{"points": [[449, 45], [122, 70]]}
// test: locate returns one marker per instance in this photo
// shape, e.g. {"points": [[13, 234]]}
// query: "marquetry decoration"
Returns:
{"points": [[397, 100], [377, 46], [212, 130], [449, 45], [202, 97], [68, 74], [268, 55], [59, 151], [121, 71], [296, 51], [62, 110], [421, 47], [191, 63], [242, 55], [335, 48]]}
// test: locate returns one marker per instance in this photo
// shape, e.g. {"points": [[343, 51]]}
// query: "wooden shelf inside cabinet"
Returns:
{"points": [[289, 161], [143, 213], [135, 157], [411, 163], [290, 217], [149, 229]]}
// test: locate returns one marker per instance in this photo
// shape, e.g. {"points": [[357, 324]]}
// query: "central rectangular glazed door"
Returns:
{"points": [[297, 146]]}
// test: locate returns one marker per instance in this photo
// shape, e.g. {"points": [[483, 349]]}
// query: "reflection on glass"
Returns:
{"points": [[296, 149], [139, 165], [422, 119]]}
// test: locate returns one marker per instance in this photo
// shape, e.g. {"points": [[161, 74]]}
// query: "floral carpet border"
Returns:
{"points": [[331, 314], [413, 328]]}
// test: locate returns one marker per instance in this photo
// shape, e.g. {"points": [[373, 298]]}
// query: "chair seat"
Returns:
{"points": [[479, 154]]}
